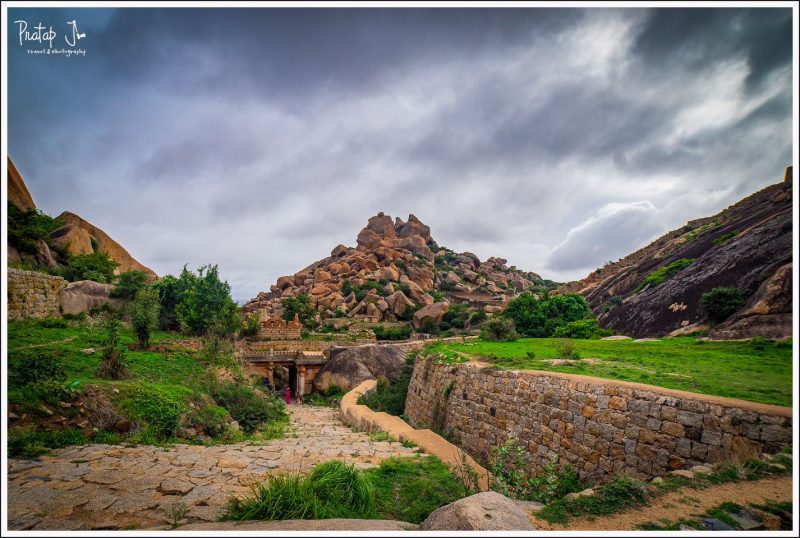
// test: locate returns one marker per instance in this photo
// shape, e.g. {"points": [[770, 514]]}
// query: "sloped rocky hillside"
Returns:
{"points": [[657, 290], [76, 236], [396, 269]]}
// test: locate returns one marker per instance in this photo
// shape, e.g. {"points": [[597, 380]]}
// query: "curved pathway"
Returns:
{"points": [[118, 487]]}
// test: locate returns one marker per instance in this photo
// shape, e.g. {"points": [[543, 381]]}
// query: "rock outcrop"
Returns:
{"points": [[79, 230], [741, 247], [83, 295], [487, 511], [395, 268], [347, 367], [18, 194]]}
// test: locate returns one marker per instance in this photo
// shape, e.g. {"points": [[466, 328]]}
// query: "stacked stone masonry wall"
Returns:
{"points": [[33, 295], [598, 426]]}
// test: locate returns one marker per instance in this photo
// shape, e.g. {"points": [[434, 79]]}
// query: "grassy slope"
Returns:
{"points": [[759, 372]]}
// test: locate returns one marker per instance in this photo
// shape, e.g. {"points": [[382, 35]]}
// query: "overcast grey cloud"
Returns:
{"points": [[259, 139]]}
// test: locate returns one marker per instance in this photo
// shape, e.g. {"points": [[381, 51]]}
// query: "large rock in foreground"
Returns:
{"points": [[347, 367], [83, 295], [487, 511]]}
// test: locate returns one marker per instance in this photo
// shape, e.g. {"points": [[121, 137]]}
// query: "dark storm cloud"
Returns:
{"points": [[261, 138]]}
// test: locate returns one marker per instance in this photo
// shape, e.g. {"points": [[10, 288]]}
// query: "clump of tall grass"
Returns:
{"points": [[332, 490]]}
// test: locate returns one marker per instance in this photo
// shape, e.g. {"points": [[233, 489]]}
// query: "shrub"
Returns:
{"points": [[97, 266], [392, 333], [27, 442], [724, 238], [300, 305], [332, 490], [171, 291], [143, 312], [159, 408], [566, 349], [499, 328], [540, 317], [583, 329], [51, 322], [28, 367], [52, 391], [391, 397], [664, 273], [112, 363], [248, 407], [721, 303], [213, 419], [250, 326], [128, 284], [27, 228]]}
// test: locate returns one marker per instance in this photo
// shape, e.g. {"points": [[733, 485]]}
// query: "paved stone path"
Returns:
{"points": [[117, 487]]}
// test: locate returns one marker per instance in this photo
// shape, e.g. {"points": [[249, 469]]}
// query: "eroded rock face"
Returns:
{"points": [[487, 511], [82, 295], [397, 256], [738, 247], [347, 367], [767, 314], [18, 193]]}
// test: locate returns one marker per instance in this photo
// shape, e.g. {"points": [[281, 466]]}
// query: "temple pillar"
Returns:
{"points": [[270, 374], [301, 380]]}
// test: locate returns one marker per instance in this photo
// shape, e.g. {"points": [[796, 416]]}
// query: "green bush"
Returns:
{"points": [[143, 311], [27, 442], [51, 322], [158, 407], [52, 391], [391, 397], [213, 419], [112, 362], [724, 238], [27, 228], [97, 266], [128, 284], [540, 317], [28, 367], [392, 333], [249, 408], [721, 303], [499, 328], [566, 349], [300, 305], [664, 273], [250, 326], [583, 329], [331, 490], [205, 300]]}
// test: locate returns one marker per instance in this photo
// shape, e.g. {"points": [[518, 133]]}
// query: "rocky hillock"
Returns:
{"points": [[397, 272], [75, 236], [657, 290]]}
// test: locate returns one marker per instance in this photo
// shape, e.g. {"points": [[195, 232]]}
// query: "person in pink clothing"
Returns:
{"points": [[288, 396]]}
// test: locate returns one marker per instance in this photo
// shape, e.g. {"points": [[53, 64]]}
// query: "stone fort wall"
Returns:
{"points": [[33, 295], [600, 427]]}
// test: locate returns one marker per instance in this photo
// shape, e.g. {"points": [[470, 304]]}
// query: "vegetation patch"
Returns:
{"points": [[391, 397], [664, 273], [721, 303]]}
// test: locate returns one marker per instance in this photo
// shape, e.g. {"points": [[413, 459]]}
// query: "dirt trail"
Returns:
{"points": [[46, 344], [684, 502]]}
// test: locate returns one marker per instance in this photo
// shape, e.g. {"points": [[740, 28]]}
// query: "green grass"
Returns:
{"points": [[759, 371], [404, 489]]}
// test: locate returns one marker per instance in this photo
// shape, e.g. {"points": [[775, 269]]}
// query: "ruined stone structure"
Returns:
{"points": [[598, 426], [33, 295], [278, 329]]}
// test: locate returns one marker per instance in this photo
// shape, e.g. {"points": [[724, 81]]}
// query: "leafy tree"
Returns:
{"points": [[206, 300], [97, 266], [540, 317], [300, 305], [143, 312], [171, 291], [582, 329], [721, 303], [128, 284], [499, 328], [27, 228]]}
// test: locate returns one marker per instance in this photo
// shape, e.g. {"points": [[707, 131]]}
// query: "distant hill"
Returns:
{"points": [[746, 246], [395, 269]]}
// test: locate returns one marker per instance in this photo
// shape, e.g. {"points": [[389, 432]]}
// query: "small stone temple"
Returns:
{"points": [[278, 329]]}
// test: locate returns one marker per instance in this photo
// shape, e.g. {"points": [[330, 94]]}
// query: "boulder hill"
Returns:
{"points": [[400, 267]]}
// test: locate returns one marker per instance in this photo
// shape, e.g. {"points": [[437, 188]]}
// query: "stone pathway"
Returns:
{"points": [[117, 487]]}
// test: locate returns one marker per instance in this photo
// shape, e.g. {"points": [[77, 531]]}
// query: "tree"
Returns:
{"points": [[300, 305], [128, 284], [144, 312], [540, 317], [171, 291], [721, 303], [97, 266], [204, 300]]}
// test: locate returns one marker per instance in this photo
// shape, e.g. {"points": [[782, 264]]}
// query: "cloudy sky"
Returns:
{"points": [[259, 139]]}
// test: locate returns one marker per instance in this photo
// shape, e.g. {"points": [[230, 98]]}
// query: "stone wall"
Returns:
{"points": [[33, 295], [598, 426]]}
